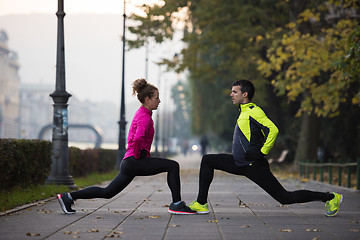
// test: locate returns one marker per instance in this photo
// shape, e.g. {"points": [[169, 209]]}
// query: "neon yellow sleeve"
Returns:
{"points": [[269, 129]]}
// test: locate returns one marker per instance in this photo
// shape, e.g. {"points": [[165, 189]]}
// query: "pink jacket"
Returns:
{"points": [[141, 133]]}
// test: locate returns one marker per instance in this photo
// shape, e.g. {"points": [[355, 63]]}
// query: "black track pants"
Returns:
{"points": [[259, 172], [131, 167]]}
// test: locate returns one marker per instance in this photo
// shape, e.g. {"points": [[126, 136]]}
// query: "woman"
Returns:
{"points": [[137, 160]]}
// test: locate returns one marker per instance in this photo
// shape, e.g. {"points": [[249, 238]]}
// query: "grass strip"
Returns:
{"points": [[19, 196]]}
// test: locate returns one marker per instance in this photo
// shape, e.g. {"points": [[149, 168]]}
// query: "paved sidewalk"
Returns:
{"points": [[239, 210]]}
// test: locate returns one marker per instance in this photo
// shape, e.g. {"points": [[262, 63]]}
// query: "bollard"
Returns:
{"points": [[308, 169], [330, 172], [349, 175], [322, 173], [339, 177], [358, 174]]}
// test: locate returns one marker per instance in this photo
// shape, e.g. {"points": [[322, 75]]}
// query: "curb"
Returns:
{"points": [[22, 207]]}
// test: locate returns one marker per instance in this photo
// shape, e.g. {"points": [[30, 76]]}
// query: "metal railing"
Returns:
{"points": [[306, 166]]}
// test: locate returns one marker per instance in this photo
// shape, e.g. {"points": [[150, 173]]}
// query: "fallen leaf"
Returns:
{"points": [[116, 212], [313, 230], [156, 216], [175, 225], [67, 232], [139, 218], [285, 230], [44, 211], [316, 238], [93, 230], [215, 221], [32, 234], [354, 230], [166, 205], [99, 217], [304, 180], [245, 226], [146, 199], [112, 235], [75, 236]]}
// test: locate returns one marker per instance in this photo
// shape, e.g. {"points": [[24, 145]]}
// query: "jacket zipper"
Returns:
{"points": [[242, 145]]}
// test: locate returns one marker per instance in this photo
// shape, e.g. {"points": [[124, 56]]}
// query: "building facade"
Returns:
{"points": [[9, 90], [35, 109]]}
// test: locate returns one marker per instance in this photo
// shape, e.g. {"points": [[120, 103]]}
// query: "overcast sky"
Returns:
{"points": [[93, 47]]}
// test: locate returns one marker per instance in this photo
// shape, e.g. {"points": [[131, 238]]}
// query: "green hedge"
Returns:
{"points": [[28, 162], [24, 162], [84, 162]]}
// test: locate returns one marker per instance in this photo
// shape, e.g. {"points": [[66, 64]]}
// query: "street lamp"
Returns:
{"points": [[59, 173], [157, 120], [122, 122]]}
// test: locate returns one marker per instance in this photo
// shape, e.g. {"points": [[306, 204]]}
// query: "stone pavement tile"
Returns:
{"points": [[192, 228], [140, 226], [239, 220], [342, 232], [36, 220], [301, 235], [260, 232], [299, 219], [92, 215], [238, 210]]}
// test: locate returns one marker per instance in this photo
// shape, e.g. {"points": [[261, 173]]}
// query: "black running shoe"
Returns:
{"points": [[180, 208], [65, 203]]}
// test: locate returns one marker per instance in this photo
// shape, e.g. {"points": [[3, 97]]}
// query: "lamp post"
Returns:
{"points": [[122, 122], [59, 173], [157, 120]]}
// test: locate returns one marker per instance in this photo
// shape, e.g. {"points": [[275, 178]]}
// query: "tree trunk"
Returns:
{"points": [[308, 139]]}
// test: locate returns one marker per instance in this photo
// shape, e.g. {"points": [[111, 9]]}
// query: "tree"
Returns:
{"points": [[217, 52], [228, 40], [307, 64]]}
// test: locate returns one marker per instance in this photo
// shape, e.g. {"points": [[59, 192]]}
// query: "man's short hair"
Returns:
{"points": [[246, 86]]}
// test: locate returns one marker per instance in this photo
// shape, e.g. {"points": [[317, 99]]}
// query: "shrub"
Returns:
{"points": [[84, 162], [107, 160], [24, 162], [28, 162]]}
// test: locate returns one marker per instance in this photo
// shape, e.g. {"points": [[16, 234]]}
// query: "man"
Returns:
{"points": [[254, 136]]}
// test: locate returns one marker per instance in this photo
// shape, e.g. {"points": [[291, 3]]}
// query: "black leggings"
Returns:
{"points": [[131, 167], [259, 172]]}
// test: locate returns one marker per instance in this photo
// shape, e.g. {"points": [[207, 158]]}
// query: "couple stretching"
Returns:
{"points": [[254, 136]]}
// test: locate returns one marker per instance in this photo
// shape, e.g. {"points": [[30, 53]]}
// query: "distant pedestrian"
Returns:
{"points": [[204, 142], [185, 146], [137, 160], [254, 136]]}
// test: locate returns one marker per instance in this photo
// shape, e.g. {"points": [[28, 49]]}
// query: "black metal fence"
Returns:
{"points": [[306, 167]]}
